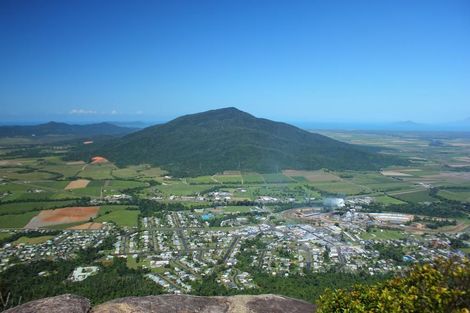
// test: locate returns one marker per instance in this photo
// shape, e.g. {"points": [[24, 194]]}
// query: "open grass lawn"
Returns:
{"points": [[33, 240], [340, 188], [127, 172], [252, 178], [63, 226], [51, 185], [312, 176], [235, 209], [121, 217], [388, 200], [383, 234], [4, 235], [16, 220], [21, 207], [25, 174], [118, 185], [202, 180], [152, 172], [65, 170], [415, 197], [229, 178], [97, 171], [276, 178], [463, 196], [181, 189]]}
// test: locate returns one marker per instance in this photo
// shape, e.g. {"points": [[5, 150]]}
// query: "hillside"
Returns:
{"points": [[229, 139], [62, 129], [168, 303]]}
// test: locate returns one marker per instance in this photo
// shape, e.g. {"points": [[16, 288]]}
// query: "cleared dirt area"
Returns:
{"points": [[313, 176], [98, 160], [77, 184], [87, 226], [62, 216]]}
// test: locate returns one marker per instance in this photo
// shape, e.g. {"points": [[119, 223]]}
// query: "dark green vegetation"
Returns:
{"points": [[62, 129], [438, 288], [228, 139], [114, 280]]}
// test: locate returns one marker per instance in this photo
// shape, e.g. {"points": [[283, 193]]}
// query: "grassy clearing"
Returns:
{"points": [[340, 188], [16, 220], [62, 226], [415, 197], [229, 178], [387, 200], [25, 174], [97, 171], [312, 176], [235, 209], [182, 189], [252, 178], [383, 234], [202, 180], [276, 178], [65, 170], [32, 241], [462, 196], [22, 207], [4, 235], [120, 217]]}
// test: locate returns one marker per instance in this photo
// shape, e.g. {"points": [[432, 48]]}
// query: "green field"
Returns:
{"points": [[21, 207], [121, 217], [32, 240], [276, 178], [252, 178], [463, 196], [179, 188], [415, 197], [340, 188], [383, 234], [16, 220], [387, 200], [97, 171], [235, 209]]}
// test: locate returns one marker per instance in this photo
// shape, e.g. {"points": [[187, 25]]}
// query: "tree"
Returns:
{"points": [[438, 287]]}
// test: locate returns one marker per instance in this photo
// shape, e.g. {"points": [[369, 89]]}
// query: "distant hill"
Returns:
{"points": [[229, 139], [54, 128]]}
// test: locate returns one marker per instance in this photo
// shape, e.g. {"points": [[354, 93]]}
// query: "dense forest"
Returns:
{"points": [[229, 139]]}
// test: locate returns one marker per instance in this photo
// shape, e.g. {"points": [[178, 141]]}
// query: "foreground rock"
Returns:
{"points": [[63, 303], [169, 303]]}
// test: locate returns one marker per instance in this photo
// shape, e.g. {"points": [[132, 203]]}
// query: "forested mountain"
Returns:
{"points": [[54, 128], [229, 139]]}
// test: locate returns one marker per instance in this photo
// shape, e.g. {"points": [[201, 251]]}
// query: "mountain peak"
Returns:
{"points": [[211, 142]]}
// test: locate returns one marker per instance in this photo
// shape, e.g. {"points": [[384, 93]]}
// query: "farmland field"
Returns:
{"points": [[415, 197], [121, 217], [16, 220], [32, 240]]}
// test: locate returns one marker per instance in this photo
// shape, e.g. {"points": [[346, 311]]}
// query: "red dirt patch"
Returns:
{"points": [[62, 216], [98, 160]]}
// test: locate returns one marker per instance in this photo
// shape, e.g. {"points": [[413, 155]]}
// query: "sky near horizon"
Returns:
{"points": [[363, 61]]}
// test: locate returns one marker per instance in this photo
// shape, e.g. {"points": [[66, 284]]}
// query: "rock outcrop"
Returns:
{"points": [[64, 303], [169, 304]]}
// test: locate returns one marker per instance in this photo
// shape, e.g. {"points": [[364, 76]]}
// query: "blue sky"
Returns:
{"points": [[367, 61]]}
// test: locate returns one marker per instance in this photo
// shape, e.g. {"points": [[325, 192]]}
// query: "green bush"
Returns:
{"points": [[439, 287]]}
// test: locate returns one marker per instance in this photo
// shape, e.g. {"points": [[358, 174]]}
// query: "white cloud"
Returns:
{"points": [[114, 112], [81, 111]]}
